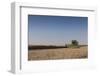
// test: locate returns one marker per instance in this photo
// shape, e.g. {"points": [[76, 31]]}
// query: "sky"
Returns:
{"points": [[57, 30]]}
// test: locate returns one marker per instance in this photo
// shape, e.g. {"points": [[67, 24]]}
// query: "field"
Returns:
{"points": [[58, 53]]}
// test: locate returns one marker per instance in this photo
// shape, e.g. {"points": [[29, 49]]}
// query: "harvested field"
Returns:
{"points": [[59, 53]]}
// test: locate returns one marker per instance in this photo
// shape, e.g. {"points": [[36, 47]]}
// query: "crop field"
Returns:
{"points": [[58, 53]]}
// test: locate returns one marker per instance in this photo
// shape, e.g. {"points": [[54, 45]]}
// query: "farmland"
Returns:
{"points": [[57, 53]]}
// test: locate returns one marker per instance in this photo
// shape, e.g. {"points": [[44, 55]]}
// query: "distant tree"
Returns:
{"points": [[66, 45], [75, 42]]}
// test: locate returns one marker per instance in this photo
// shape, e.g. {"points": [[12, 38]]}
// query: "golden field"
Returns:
{"points": [[59, 53]]}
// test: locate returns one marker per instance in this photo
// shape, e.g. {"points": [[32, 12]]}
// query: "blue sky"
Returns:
{"points": [[57, 30]]}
